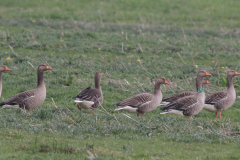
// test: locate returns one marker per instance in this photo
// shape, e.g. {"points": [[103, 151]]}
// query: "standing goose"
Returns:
{"points": [[2, 68], [32, 98], [91, 98], [190, 105], [167, 100], [222, 100], [144, 102]]}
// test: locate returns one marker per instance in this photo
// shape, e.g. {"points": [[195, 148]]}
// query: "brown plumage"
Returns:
{"points": [[190, 105], [144, 102], [167, 100], [222, 100], [2, 69], [91, 98], [32, 98]]}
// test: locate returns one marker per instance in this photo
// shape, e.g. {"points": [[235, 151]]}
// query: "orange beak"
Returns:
{"points": [[7, 69], [236, 73], [102, 74], [166, 82], [49, 68], [208, 74], [208, 82]]}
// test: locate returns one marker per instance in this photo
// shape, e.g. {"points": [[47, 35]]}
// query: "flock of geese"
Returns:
{"points": [[184, 103]]}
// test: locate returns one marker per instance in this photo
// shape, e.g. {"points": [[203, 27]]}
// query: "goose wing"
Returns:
{"points": [[177, 96], [20, 99], [89, 94], [182, 104], [216, 97], [136, 100]]}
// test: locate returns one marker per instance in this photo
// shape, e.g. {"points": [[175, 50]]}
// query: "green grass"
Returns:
{"points": [[171, 39]]}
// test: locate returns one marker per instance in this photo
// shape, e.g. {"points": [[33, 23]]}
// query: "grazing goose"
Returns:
{"points": [[222, 100], [2, 69], [190, 105], [32, 98], [144, 102], [91, 98], [167, 100]]}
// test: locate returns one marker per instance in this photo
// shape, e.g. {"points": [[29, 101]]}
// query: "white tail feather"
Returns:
{"points": [[164, 103], [127, 108], [210, 107], [10, 106], [172, 111]]}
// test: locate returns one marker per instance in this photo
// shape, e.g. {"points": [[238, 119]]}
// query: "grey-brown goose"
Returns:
{"points": [[144, 102], [2, 69], [167, 100], [222, 100], [190, 105], [91, 98], [32, 98]]}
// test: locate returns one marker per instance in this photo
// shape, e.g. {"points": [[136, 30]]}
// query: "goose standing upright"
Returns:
{"points": [[2, 69], [91, 98], [144, 102], [167, 100], [32, 98], [222, 100], [190, 105]]}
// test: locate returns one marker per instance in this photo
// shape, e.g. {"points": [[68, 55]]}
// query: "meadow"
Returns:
{"points": [[132, 43]]}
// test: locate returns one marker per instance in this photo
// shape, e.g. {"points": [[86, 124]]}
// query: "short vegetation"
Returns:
{"points": [[132, 43]]}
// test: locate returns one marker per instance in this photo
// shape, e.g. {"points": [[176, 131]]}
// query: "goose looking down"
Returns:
{"points": [[167, 100], [32, 98], [2, 69], [91, 98], [222, 100], [190, 105], [144, 102]]}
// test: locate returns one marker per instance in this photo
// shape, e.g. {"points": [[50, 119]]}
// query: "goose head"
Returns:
{"points": [[4, 68]]}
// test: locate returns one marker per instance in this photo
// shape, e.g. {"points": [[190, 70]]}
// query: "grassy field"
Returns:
{"points": [[132, 43]]}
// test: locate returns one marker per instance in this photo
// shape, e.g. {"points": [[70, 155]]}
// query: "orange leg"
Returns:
{"points": [[189, 118], [91, 112], [138, 115], [78, 107], [142, 115], [216, 114], [220, 115]]}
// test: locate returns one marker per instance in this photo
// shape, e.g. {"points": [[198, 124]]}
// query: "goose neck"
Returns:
{"points": [[199, 84], [40, 78], [157, 88], [230, 82], [0, 83]]}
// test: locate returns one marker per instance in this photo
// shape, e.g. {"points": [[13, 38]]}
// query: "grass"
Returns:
{"points": [[135, 43]]}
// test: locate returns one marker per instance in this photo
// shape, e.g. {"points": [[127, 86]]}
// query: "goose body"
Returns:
{"points": [[144, 102], [2, 69], [29, 99], [91, 98], [189, 105], [167, 100], [222, 100]]}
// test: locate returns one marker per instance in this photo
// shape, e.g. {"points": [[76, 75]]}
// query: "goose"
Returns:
{"points": [[190, 105], [167, 100], [144, 102], [32, 98], [91, 98], [222, 100], [2, 69]]}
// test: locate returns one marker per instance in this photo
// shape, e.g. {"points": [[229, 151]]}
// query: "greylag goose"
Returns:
{"points": [[91, 98], [190, 105], [167, 100], [222, 100], [2, 69], [32, 98], [144, 102]]}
